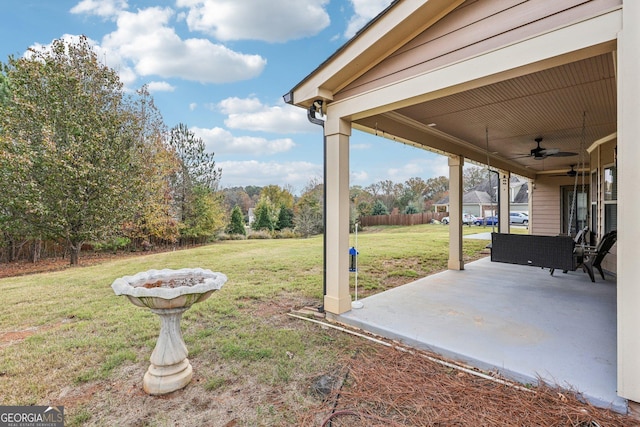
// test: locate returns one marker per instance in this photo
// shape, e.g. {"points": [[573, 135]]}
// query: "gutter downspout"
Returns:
{"points": [[316, 107]]}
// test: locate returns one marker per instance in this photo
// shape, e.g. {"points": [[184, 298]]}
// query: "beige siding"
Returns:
{"points": [[545, 218], [547, 200], [473, 28]]}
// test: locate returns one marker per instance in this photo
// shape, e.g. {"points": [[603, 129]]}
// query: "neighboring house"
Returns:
{"points": [[532, 88], [479, 202]]}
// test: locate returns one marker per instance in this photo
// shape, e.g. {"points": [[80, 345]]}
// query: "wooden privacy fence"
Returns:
{"points": [[400, 219]]}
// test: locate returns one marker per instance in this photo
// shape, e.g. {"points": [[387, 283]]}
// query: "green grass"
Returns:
{"points": [[81, 334]]}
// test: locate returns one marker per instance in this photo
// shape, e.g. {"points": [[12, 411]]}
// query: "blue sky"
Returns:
{"points": [[221, 67]]}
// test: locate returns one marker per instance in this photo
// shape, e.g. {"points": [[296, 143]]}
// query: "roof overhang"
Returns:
{"points": [[559, 84]]}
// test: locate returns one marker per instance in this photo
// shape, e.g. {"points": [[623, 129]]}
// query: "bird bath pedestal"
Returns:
{"points": [[169, 293]]}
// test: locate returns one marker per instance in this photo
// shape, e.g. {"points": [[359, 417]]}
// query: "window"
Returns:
{"points": [[610, 190]]}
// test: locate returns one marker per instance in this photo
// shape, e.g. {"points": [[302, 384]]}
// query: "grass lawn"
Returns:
{"points": [[66, 339]]}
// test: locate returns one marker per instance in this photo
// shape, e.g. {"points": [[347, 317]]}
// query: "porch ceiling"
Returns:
{"points": [[549, 104]]}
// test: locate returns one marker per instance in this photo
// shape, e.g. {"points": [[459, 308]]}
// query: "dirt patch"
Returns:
{"points": [[13, 337]]}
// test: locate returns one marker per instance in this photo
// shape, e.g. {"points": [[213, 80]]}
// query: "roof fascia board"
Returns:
{"points": [[573, 42], [388, 32]]}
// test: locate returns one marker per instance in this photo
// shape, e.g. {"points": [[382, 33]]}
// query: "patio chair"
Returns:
{"points": [[593, 256], [578, 239]]}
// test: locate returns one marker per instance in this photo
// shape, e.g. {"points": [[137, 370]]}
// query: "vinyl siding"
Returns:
{"points": [[473, 28]]}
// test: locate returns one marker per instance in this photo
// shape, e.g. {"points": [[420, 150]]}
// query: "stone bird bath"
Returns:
{"points": [[169, 293]]}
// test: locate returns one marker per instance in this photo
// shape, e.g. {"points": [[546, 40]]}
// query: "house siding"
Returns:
{"points": [[545, 217], [473, 28], [547, 199]]}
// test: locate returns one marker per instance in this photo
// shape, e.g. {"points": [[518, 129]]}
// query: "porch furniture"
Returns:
{"points": [[593, 256], [553, 252]]}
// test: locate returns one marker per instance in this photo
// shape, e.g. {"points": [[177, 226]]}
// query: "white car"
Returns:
{"points": [[467, 219], [518, 218]]}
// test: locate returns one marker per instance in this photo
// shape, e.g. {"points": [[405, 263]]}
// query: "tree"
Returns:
{"points": [[308, 211], [4, 88], [68, 121], [266, 215], [237, 196], [472, 176], [196, 171], [236, 226], [285, 218], [278, 196], [362, 201], [437, 188], [379, 208], [411, 209], [204, 215], [155, 217]]}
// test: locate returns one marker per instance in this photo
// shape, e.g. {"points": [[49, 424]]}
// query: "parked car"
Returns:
{"points": [[467, 219], [518, 218], [490, 220]]}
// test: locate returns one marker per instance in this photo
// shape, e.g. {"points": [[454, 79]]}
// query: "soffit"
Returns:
{"points": [[550, 104]]}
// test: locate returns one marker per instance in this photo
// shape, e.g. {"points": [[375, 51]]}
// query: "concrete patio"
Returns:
{"points": [[516, 320]]}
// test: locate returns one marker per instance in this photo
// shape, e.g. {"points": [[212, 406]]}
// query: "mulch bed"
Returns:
{"points": [[387, 387]]}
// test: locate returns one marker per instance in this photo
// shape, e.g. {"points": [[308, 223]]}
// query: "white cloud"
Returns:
{"points": [[145, 39], [365, 11], [236, 105], [193, 106], [361, 146], [102, 8], [221, 141], [144, 44], [251, 114], [359, 178], [160, 87], [432, 165], [266, 20], [252, 172]]}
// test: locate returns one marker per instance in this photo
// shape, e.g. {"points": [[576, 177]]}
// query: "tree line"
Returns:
{"points": [[85, 163]]}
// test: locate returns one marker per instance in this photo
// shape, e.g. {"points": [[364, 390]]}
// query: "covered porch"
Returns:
{"points": [[515, 320], [546, 90]]}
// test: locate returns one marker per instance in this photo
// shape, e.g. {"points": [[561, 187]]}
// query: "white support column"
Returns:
{"points": [[531, 184], [455, 213], [505, 201], [337, 131], [628, 70]]}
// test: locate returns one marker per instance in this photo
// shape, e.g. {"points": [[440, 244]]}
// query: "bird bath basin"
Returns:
{"points": [[169, 293]]}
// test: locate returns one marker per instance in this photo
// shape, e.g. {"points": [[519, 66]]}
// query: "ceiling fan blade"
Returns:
{"points": [[563, 154], [549, 151]]}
